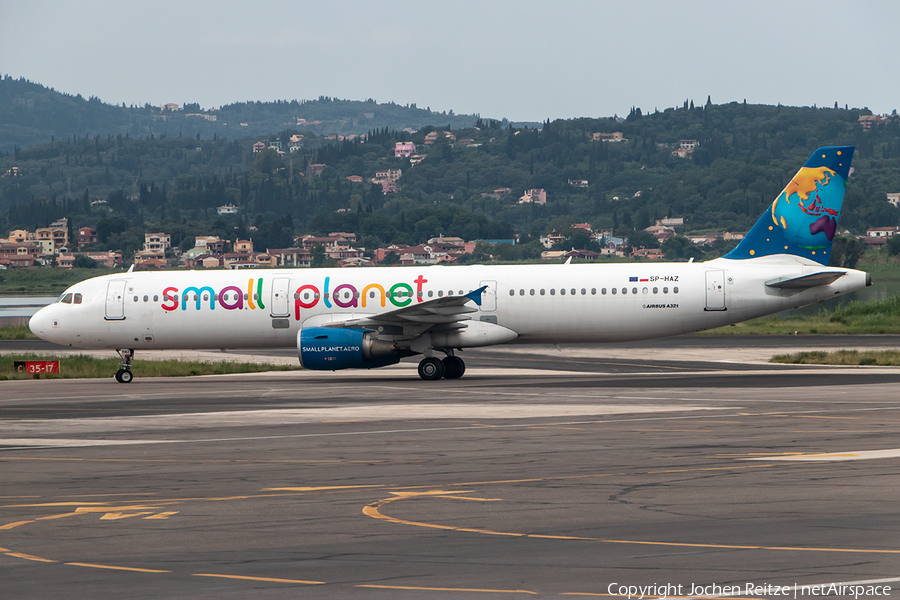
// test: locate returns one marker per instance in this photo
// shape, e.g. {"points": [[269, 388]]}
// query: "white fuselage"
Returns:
{"points": [[540, 303]]}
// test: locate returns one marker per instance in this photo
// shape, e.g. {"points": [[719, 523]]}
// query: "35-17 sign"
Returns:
{"points": [[36, 367]]}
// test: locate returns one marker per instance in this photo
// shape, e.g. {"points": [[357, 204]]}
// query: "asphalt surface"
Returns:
{"points": [[538, 473]]}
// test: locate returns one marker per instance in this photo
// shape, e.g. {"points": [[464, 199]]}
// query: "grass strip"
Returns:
{"points": [[881, 358], [873, 317], [80, 366], [16, 332]]}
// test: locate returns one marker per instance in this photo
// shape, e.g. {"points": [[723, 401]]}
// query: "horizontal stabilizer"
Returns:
{"points": [[806, 281]]}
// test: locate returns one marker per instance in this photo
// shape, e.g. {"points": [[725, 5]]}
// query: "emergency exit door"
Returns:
{"points": [[489, 296], [715, 290]]}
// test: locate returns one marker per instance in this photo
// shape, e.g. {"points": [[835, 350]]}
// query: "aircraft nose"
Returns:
{"points": [[39, 323]]}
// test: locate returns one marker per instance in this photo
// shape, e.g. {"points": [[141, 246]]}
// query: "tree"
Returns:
{"points": [[893, 245], [267, 161], [679, 248], [642, 239], [83, 262]]}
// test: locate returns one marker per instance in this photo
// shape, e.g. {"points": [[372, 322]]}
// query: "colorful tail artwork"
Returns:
{"points": [[803, 219]]}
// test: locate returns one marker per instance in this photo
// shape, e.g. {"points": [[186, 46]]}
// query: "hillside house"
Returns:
{"points": [[882, 232], [387, 174], [157, 243], [616, 136], [86, 236], [404, 149], [535, 196]]}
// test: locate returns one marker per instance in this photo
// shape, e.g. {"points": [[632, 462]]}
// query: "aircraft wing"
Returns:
{"points": [[806, 281], [413, 320]]}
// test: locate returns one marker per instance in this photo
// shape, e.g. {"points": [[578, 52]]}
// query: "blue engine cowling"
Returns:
{"points": [[332, 348]]}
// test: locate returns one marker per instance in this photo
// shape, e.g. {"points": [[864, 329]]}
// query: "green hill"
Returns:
{"points": [[745, 155], [31, 114]]}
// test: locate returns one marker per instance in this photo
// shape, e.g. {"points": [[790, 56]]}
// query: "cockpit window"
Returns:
{"points": [[77, 298], [66, 299]]}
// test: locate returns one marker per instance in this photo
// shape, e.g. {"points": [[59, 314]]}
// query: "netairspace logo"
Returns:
{"points": [[663, 591]]}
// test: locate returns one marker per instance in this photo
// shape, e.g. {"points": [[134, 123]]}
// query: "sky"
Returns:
{"points": [[526, 60]]}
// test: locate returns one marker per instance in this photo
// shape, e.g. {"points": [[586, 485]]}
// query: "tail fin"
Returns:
{"points": [[803, 219]]}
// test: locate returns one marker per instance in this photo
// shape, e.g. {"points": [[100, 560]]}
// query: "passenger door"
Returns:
{"points": [[115, 300]]}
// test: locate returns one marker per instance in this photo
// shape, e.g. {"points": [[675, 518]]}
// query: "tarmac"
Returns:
{"points": [[687, 467]]}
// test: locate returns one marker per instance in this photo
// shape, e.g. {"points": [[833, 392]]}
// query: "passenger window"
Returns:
{"points": [[296, 296], [461, 292], [521, 292], [624, 290], [430, 293], [146, 298], [156, 298], [562, 291], [573, 291], [634, 290], [614, 291], [644, 291], [371, 294], [135, 298], [583, 292], [665, 290], [245, 296], [542, 292], [552, 291], [532, 292], [196, 297], [675, 290], [655, 290], [440, 294], [315, 296], [603, 291], [512, 292]]}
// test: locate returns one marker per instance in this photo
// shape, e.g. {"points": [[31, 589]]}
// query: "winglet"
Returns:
{"points": [[475, 295]]}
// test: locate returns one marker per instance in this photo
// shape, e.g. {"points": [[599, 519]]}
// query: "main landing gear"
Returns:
{"points": [[124, 375], [451, 367]]}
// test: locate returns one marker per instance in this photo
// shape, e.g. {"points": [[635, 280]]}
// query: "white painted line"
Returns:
{"points": [[74, 443], [835, 456]]}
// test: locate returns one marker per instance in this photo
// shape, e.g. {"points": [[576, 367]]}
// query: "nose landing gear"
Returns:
{"points": [[124, 374]]}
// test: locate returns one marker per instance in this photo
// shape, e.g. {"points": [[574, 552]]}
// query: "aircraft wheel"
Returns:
{"points": [[431, 369], [124, 376], [454, 367]]}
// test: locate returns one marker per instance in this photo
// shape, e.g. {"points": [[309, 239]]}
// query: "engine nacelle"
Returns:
{"points": [[333, 348]]}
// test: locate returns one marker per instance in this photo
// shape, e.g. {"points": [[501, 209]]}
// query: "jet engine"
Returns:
{"points": [[333, 348]]}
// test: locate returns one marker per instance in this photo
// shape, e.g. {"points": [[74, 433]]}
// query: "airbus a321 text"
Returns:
{"points": [[372, 317]]}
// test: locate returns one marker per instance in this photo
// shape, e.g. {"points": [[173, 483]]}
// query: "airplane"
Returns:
{"points": [[372, 317]]}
